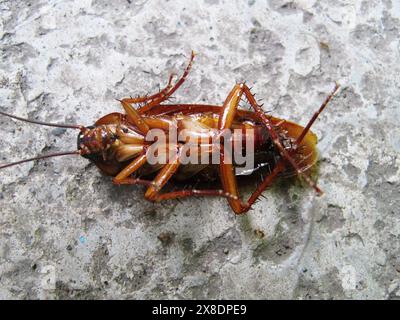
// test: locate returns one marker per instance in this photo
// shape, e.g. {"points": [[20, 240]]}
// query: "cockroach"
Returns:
{"points": [[118, 143]]}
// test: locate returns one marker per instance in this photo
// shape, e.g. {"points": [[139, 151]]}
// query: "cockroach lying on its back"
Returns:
{"points": [[120, 146]]}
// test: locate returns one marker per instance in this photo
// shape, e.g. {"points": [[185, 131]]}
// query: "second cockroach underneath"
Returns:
{"points": [[117, 143]]}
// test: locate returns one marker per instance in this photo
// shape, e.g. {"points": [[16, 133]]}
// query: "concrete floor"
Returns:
{"points": [[67, 232]]}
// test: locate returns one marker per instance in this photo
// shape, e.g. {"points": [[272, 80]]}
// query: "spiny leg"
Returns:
{"points": [[227, 170], [280, 166], [193, 193], [169, 93], [164, 94], [316, 114], [175, 194], [184, 75], [275, 138], [158, 95], [130, 181], [227, 175]]}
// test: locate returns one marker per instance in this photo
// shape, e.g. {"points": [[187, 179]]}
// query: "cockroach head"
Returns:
{"points": [[81, 143], [94, 141]]}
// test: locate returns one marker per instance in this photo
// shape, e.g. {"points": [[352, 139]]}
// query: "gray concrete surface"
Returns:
{"points": [[67, 232]]}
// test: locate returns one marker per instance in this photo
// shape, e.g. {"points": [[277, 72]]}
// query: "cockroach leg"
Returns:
{"points": [[164, 94], [229, 184], [275, 138], [169, 93], [174, 194], [316, 114], [280, 166], [227, 175], [135, 117], [193, 193], [158, 95], [228, 178], [130, 168], [131, 181], [183, 77], [162, 177], [264, 184], [229, 108]]}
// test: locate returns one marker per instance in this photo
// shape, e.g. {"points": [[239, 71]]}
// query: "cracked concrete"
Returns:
{"points": [[67, 232]]}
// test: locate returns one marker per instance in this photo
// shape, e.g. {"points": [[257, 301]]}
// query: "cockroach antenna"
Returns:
{"points": [[68, 126], [39, 158]]}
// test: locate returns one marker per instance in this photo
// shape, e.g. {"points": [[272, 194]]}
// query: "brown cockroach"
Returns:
{"points": [[117, 143]]}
